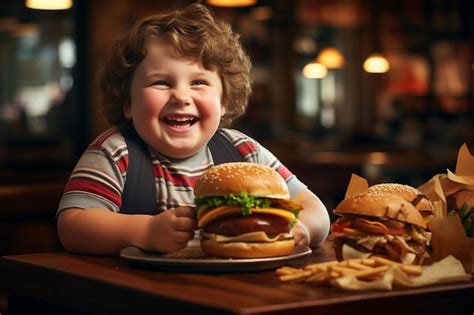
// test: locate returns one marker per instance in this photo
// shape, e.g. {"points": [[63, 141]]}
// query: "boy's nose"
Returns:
{"points": [[181, 97]]}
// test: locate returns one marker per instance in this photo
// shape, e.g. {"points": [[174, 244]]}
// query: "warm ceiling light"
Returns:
{"points": [[331, 57], [376, 63], [231, 3], [315, 70], [49, 4]]}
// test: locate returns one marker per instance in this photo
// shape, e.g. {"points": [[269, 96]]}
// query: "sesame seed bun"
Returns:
{"points": [[381, 205], [240, 177], [409, 193]]}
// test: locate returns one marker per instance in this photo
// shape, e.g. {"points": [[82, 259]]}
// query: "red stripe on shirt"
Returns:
{"points": [[89, 186], [177, 180], [284, 172], [122, 164], [97, 143], [247, 148]]}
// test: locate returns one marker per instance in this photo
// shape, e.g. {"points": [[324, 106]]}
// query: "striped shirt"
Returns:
{"points": [[97, 180]]}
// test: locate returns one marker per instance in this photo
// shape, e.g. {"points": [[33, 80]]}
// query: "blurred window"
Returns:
{"points": [[39, 118]]}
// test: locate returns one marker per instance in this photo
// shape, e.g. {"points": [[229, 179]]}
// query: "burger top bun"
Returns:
{"points": [[381, 205], [458, 199], [240, 177], [419, 200]]}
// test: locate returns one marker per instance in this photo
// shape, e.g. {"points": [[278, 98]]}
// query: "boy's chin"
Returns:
{"points": [[181, 146], [179, 152]]}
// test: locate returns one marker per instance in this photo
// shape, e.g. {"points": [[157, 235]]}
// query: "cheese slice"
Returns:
{"points": [[259, 236], [230, 210]]}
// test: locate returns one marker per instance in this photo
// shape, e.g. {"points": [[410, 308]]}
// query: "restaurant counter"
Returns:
{"points": [[62, 283]]}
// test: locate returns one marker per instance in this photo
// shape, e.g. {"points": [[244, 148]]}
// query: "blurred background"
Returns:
{"points": [[319, 103], [382, 89]]}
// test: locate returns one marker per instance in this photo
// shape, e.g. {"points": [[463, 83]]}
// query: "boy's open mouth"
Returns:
{"points": [[180, 121]]}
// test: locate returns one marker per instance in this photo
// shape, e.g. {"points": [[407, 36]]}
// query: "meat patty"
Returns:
{"points": [[236, 225]]}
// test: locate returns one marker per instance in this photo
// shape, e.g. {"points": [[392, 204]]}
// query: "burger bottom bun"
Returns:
{"points": [[247, 250]]}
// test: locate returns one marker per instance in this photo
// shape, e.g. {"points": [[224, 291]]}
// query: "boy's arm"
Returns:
{"points": [[314, 217], [102, 232]]}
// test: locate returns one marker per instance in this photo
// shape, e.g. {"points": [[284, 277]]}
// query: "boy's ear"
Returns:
{"points": [[127, 111], [222, 111]]}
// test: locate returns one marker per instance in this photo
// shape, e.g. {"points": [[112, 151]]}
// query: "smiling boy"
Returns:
{"points": [[176, 80]]}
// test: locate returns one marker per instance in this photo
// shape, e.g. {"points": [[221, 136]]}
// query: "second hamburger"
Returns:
{"points": [[244, 211], [380, 224]]}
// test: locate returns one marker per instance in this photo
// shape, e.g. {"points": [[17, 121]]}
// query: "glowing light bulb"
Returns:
{"points": [[331, 57], [315, 70], [376, 63], [231, 3], [49, 4]]}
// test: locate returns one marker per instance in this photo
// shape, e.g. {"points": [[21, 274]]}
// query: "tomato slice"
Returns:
{"points": [[339, 225]]}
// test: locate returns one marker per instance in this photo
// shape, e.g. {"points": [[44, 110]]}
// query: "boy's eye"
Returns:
{"points": [[161, 82], [199, 82]]}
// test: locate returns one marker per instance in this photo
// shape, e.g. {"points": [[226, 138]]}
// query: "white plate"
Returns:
{"points": [[208, 264]]}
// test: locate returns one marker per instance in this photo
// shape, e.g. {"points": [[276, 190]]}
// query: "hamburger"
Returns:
{"points": [[380, 224], [409, 193], [244, 211], [462, 203]]}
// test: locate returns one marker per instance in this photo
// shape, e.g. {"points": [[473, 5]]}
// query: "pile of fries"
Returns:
{"points": [[367, 269]]}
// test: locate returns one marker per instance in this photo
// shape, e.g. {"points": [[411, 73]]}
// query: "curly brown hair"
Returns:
{"points": [[194, 33]]}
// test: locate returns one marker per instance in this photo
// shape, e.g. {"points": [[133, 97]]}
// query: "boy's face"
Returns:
{"points": [[175, 102]]}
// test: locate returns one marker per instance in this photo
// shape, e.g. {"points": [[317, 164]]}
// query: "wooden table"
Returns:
{"points": [[62, 283]]}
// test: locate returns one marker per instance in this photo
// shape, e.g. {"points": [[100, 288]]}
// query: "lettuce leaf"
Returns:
{"points": [[242, 200]]}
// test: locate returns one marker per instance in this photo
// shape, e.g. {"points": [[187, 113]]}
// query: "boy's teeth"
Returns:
{"points": [[180, 120]]}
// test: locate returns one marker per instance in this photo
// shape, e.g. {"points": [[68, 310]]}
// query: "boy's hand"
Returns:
{"points": [[171, 230], [301, 234]]}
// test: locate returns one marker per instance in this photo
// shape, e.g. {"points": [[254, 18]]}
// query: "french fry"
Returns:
{"points": [[319, 278], [343, 270], [287, 270], [322, 265], [297, 276], [358, 265], [334, 274], [367, 269], [368, 262], [371, 272], [412, 270], [384, 261]]}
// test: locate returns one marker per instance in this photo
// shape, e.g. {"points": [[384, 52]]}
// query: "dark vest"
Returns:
{"points": [[139, 192]]}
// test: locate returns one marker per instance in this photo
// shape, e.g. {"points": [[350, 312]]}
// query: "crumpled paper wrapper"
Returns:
{"points": [[448, 269], [357, 184], [441, 186], [448, 236]]}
